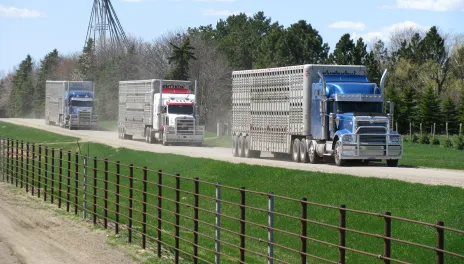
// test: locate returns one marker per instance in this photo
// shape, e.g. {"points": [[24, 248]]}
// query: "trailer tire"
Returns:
{"points": [[296, 150], [313, 157], [148, 136], [241, 146], [303, 151], [247, 153], [337, 154], [392, 163], [235, 146]]}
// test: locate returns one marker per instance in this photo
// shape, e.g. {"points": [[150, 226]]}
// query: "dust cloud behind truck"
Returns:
{"points": [[161, 111], [70, 104], [313, 111]]}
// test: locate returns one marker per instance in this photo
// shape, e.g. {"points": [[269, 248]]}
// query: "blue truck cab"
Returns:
{"points": [[79, 103], [348, 120], [70, 104]]}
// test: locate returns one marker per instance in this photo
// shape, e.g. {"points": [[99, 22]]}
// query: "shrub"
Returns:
{"points": [[459, 142], [424, 139], [448, 143], [415, 138], [435, 141]]}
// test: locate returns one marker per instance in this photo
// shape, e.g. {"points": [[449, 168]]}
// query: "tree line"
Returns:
{"points": [[426, 80]]}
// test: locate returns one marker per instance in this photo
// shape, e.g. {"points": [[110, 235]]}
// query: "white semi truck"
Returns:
{"points": [[70, 104], [159, 110], [312, 111]]}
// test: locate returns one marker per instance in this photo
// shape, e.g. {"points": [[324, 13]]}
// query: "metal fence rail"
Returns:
{"points": [[207, 222]]}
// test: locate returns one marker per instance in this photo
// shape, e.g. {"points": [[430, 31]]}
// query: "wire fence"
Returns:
{"points": [[204, 222]]}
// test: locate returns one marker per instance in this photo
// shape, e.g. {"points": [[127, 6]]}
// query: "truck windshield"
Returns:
{"points": [[82, 103], [359, 107], [180, 109]]}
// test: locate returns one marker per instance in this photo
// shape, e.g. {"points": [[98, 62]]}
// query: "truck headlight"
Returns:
{"points": [[395, 139], [348, 139]]}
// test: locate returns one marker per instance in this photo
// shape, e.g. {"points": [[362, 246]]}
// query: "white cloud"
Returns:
{"points": [[356, 26], [214, 12], [384, 33], [431, 5], [18, 12]]}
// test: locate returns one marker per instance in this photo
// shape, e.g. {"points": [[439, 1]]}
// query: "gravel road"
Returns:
{"points": [[414, 175], [31, 234]]}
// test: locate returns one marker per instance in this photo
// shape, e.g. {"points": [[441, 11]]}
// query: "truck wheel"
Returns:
{"points": [[241, 146], [148, 137], [120, 134], [235, 146], [247, 153], [313, 157], [303, 151], [165, 142], [296, 150], [392, 163], [337, 155]]}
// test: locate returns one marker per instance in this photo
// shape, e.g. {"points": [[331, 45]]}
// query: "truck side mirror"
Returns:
{"points": [[164, 110]]}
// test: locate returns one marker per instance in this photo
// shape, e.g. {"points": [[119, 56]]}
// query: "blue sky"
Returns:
{"points": [[38, 26]]}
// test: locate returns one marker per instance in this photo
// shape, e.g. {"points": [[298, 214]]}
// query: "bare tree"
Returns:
{"points": [[398, 36], [213, 73]]}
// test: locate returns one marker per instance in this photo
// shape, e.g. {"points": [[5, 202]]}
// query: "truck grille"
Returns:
{"points": [[85, 118], [372, 129], [185, 126]]}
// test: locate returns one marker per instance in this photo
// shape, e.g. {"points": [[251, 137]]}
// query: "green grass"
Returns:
{"points": [[221, 141], [432, 156], [31, 135], [414, 201], [108, 125]]}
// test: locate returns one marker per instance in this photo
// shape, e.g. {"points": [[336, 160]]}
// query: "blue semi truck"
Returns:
{"points": [[70, 104], [309, 112]]}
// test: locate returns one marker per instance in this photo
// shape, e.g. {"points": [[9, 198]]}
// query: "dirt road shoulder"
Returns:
{"points": [[34, 232]]}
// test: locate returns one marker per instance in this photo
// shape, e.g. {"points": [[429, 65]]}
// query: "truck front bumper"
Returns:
{"points": [[358, 150], [176, 138], [371, 152], [82, 123]]}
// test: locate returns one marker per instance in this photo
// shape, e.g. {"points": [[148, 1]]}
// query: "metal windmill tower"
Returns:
{"points": [[104, 26]]}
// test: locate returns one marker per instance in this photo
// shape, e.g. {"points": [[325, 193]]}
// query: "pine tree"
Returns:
{"points": [[21, 96], [360, 52], [343, 53], [373, 68], [450, 114], [46, 70], [429, 108], [181, 57], [407, 110], [461, 107]]}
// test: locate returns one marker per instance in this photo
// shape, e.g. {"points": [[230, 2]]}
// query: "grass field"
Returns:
{"points": [[415, 201], [108, 125]]}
